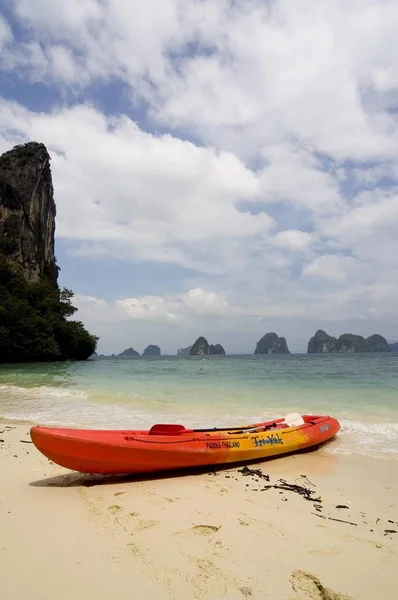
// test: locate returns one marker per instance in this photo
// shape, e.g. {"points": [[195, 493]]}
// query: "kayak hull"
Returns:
{"points": [[142, 451]]}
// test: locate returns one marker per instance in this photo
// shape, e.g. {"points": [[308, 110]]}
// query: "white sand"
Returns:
{"points": [[64, 535]]}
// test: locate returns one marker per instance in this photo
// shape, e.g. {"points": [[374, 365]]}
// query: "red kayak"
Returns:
{"points": [[169, 447]]}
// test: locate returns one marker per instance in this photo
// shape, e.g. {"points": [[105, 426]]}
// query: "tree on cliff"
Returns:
{"points": [[34, 311], [34, 323]]}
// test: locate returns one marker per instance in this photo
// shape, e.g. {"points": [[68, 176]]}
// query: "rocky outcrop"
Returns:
{"points": [[321, 342], [184, 351], [270, 343], [216, 349], [27, 212], [201, 348], [378, 343], [152, 350], [347, 343], [129, 352]]}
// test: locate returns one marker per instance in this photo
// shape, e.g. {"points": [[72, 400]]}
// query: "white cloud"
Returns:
{"points": [[5, 32], [312, 74], [147, 308], [297, 177], [201, 302], [369, 231], [97, 309], [331, 267], [188, 309], [195, 302], [292, 239], [61, 61]]}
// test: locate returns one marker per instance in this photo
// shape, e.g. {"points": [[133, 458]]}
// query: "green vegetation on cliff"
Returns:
{"points": [[202, 347], [34, 324]]}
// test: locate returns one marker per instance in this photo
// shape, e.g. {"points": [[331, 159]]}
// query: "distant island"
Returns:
{"points": [[129, 352], [152, 350], [35, 312], [184, 351], [347, 343], [270, 343], [202, 348]]}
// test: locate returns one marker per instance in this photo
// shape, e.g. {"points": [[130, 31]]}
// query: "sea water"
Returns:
{"points": [[360, 390]]}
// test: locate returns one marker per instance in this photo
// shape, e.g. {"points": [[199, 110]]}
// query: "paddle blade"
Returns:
{"points": [[166, 429]]}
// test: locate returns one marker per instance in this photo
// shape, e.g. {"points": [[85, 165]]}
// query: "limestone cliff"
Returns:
{"points": [[27, 212], [152, 350], [322, 343], [201, 347], [35, 312], [270, 343], [347, 343], [378, 343], [216, 349], [184, 351], [129, 352]]}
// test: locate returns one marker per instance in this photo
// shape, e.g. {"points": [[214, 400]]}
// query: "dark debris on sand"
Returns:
{"points": [[256, 485], [247, 472], [293, 487], [282, 485]]}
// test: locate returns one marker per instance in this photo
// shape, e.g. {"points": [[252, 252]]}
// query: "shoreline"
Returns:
{"points": [[213, 534], [389, 457]]}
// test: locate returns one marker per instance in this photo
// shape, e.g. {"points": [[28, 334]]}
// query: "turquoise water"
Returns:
{"points": [[360, 390]]}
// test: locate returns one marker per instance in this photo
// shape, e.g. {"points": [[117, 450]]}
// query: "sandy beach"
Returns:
{"points": [[203, 535]]}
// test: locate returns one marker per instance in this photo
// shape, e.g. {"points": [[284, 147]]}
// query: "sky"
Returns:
{"points": [[224, 168]]}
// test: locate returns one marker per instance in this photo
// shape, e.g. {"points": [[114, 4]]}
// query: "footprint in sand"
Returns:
{"points": [[222, 583], [146, 524], [331, 552], [208, 580], [247, 521], [203, 530], [310, 588], [143, 524], [246, 591], [258, 525], [115, 508], [134, 549], [217, 487]]}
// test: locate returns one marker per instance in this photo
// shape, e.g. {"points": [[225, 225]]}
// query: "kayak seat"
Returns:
{"points": [[294, 420], [166, 429]]}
